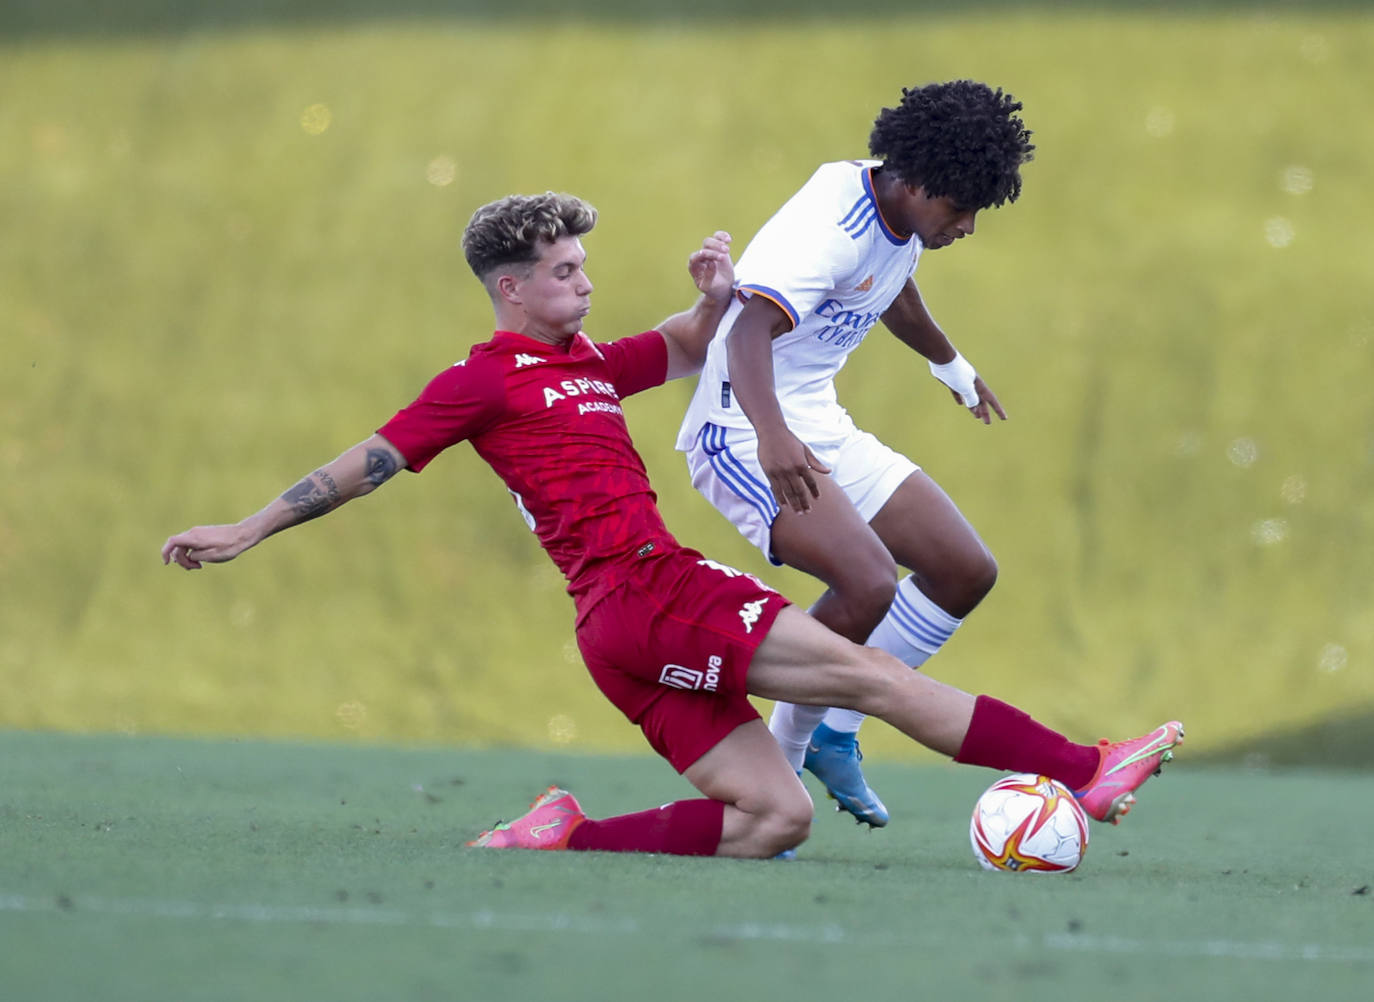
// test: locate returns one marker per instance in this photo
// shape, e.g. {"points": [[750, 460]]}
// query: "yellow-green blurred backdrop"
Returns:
{"points": [[231, 252]]}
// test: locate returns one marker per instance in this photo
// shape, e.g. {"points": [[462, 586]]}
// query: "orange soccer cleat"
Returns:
{"points": [[548, 824], [1123, 767]]}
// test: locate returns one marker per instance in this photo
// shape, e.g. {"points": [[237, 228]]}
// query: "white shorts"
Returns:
{"points": [[724, 463]]}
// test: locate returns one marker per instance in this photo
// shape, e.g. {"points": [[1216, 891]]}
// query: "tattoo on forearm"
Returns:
{"points": [[381, 466], [309, 499]]}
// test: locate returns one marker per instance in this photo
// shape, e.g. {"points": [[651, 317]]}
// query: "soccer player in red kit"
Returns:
{"points": [[677, 642]]}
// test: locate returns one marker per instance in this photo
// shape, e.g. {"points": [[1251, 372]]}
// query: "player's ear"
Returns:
{"points": [[506, 287]]}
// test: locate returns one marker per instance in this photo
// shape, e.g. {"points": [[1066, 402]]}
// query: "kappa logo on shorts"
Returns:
{"points": [[682, 677], [751, 612], [729, 571]]}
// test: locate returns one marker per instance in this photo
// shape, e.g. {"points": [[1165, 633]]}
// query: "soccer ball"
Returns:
{"points": [[1028, 823]]}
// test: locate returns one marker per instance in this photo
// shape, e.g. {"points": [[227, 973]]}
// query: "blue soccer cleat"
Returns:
{"points": [[833, 758]]}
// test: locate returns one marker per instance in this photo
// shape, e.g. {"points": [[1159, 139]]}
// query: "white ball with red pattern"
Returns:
{"points": [[1028, 824]]}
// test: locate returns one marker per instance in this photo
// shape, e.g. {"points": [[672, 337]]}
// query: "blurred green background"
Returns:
{"points": [[231, 252]]}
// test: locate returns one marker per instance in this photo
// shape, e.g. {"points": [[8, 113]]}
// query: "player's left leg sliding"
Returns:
{"points": [[556, 821], [1104, 777]]}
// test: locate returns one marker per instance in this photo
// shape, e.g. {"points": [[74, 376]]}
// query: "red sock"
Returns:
{"points": [[1002, 737], [684, 828]]}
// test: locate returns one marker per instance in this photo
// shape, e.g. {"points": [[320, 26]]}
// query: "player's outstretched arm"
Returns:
{"points": [[913, 325], [360, 470], [689, 333]]}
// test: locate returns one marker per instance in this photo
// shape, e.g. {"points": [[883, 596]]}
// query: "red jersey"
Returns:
{"points": [[547, 419]]}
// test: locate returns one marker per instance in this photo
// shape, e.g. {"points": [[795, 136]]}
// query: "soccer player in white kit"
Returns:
{"points": [[767, 441]]}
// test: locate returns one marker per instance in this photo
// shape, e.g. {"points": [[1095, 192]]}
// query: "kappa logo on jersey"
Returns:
{"points": [[865, 285], [751, 612], [682, 677], [522, 360]]}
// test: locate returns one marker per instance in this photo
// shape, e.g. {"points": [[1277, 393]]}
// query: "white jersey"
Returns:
{"points": [[829, 260]]}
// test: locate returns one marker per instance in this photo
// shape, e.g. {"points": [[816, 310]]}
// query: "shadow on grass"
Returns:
{"points": [[1343, 742], [84, 18]]}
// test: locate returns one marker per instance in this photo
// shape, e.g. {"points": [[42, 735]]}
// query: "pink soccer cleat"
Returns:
{"points": [[548, 824], [1123, 768]]}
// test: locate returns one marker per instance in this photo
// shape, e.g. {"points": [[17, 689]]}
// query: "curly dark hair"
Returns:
{"points": [[510, 231], [960, 139]]}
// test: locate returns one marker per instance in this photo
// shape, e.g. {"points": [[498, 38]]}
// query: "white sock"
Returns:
{"points": [[792, 725], [913, 630]]}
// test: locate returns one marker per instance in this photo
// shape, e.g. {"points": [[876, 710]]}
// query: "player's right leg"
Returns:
{"points": [[756, 809], [834, 543], [951, 568], [768, 811], [671, 648]]}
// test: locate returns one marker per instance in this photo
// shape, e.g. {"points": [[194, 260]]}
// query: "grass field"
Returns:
{"points": [[159, 869]]}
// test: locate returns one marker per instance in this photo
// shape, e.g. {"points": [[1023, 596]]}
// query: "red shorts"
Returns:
{"points": [[671, 647]]}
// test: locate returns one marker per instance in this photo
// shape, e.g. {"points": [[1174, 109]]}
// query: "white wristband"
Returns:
{"points": [[958, 375]]}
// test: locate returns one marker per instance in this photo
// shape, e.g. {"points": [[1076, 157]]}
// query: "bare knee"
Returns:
{"points": [[783, 823], [961, 587], [857, 603], [789, 827], [979, 578]]}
